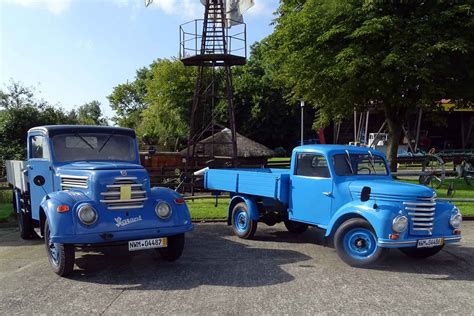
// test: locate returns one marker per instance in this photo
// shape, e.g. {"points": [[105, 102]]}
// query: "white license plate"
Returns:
{"points": [[428, 243], [147, 244]]}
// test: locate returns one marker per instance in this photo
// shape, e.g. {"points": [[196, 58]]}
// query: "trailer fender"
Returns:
{"points": [[251, 204]]}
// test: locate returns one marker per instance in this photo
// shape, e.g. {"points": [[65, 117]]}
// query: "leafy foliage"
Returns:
{"points": [[394, 56], [90, 114]]}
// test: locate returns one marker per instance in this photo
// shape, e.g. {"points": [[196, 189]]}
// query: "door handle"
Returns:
{"points": [[30, 167], [327, 193]]}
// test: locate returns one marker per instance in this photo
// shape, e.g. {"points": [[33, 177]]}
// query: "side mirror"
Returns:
{"points": [[365, 194], [39, 181]]}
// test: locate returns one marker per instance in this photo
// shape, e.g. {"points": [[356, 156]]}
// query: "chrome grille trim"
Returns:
{"points": [[68, 182], [111, 197], [421, 213]]}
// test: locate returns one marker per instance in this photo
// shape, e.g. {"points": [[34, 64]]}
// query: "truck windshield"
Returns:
{"points": [[83, 146], [359, 164]]}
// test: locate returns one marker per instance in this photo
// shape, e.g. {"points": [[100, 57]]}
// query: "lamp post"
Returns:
{"points": [[302, 120]]}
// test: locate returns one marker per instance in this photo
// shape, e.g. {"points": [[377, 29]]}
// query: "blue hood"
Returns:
{"points": [[390, 189], [100, 165]]}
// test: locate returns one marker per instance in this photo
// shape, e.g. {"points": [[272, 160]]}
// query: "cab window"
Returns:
{"points": [[39, 147], [312, 165]]}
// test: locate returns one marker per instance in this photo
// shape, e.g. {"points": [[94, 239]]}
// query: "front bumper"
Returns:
{"points": [[387, 243], [121, 236]]}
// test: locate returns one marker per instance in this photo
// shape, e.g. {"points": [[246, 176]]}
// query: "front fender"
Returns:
{"points": [[378, 218], [179, 210], [251, 205], [61, 223]]}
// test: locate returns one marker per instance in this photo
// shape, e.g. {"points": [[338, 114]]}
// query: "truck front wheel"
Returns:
{"points": [[61, 256], [295, 227], [242, 224], [421, 253], [356, 243], [174, 249]]}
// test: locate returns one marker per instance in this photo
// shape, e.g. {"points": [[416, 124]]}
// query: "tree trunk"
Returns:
{"points": [[395, 133]]}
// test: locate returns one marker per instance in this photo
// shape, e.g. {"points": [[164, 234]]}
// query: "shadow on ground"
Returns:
{"points": [[211, 257]]}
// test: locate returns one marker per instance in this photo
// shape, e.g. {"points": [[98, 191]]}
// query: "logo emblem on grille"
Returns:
{"points": [[123, 172]]}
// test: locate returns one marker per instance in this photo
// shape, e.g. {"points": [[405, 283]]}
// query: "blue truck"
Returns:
{"points": [[349, 192], [84, 186]]}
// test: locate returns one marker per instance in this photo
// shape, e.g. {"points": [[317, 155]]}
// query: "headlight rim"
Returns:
{"points": [[170, 212], [395, 222], [81, 207], [451, 219]]}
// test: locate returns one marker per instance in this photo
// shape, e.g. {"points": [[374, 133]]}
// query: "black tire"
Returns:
{"points": [[421, 253], [64, 263], [174, 249], [348, 243], [295, 227], [242, 225], [25, 223]]}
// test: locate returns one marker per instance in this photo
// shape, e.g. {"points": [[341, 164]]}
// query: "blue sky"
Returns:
{"points": [[75, 51]]}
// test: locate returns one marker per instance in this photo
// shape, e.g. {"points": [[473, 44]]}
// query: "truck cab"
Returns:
{"points": [[84, 186], [348, 191]]}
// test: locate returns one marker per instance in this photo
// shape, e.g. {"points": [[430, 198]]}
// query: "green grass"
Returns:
{"points": [[462, 190], [6, 212], [206, 209]]}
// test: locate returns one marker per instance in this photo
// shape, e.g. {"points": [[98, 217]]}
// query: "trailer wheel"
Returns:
{"points": [[242, 224], [174, 249], [356, 243], [25, 224], [435, 166], [422, 253], [295, 227], [61, 256]]}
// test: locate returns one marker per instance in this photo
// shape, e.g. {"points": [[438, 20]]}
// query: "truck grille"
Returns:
{"points": [[71, 182], [112, 196], [421, 214]]}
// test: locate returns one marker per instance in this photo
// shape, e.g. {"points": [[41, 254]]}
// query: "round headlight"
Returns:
{"points": [[87, 214], [163, 210], [456, 220], [400, 223]]}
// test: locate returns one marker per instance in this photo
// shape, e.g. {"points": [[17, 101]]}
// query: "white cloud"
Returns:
{"points": [[54, 6], [188, 8]]}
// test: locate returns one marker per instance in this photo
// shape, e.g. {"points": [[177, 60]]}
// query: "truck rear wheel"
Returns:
{"points": [[422, 253], [25, 224], [61, 256], [242, 224], [356, 243], [295, 227]]}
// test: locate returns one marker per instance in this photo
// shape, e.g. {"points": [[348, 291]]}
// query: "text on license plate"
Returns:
{"points": [[428, 243], [147, 244]]}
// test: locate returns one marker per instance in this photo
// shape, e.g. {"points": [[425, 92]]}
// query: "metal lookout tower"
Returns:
{"points": [[213, 44]]}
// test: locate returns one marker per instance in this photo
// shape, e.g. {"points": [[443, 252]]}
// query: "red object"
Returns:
{"points": [[62, 208], [179, 201], [322, 139], [393, 236]]}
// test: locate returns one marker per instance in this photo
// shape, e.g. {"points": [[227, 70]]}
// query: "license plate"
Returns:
{"points": [[147, 244], [428, 243]]}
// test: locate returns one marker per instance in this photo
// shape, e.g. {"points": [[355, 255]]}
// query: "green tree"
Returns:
{"points": [[128, 99], [20, 111], [394, 56], [170, 91], [90, 114], [261, 107]]}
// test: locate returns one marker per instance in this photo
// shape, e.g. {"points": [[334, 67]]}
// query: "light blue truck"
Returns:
{"points": [[84, 186], [349, 192]]}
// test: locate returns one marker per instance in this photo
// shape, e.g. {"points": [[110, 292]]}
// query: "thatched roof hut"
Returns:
{"points": [[220, 145]]}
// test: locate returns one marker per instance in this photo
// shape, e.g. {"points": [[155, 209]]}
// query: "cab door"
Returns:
{"points": [[40, 174], [311, 190]]}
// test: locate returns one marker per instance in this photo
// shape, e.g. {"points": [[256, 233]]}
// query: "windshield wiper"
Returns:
{"points": [[106, 141], [84, 140], [348, 158]]}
